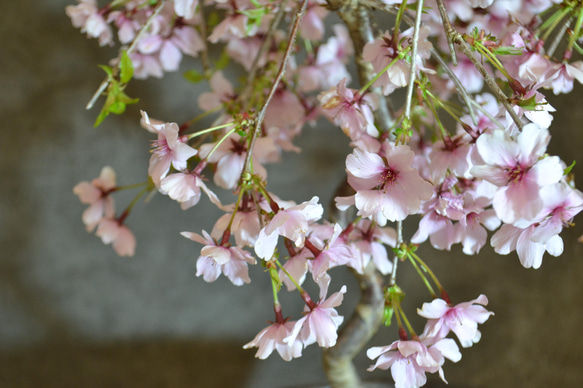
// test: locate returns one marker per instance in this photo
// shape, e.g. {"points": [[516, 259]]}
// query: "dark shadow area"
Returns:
{"points": [[144, 364]]}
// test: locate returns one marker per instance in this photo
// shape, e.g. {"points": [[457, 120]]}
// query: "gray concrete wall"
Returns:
{"points": [[73, 314]]}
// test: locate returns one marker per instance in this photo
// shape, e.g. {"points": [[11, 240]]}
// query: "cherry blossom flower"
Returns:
{"points": [[382, 51], [471, 229], [230, 158], [185, 8], [272, 338], [113, 232], [216, 259], [347, 109], [329, 66], [519, 170], [410, 360], [186, 188], [565, 74], [530, 253], [462, 319], [320, 324], [169, 150], [387, 184], [291, 223], [333, 253], [368, 240], [245, 226], [222, 91], [561, 204], [97, 195], [86, 16]]}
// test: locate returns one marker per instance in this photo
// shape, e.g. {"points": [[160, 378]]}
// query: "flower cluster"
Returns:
{"points": [[487, 174]]}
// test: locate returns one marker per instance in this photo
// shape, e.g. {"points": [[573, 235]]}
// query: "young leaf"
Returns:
{"points": [[568, 169], [126, 68]]}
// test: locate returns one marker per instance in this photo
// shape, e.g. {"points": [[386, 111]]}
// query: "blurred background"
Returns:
{"points": [[73, 314]]}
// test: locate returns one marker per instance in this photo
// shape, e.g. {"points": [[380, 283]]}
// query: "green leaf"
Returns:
{"points": [[102, 115], [529, 103], [126, 68], [509, 50], [194, 76], [568, 169], [117, 107], [108, 70]]}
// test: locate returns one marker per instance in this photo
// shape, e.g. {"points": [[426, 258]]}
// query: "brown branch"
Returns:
{"points": [[244, 97], [278, 77]]}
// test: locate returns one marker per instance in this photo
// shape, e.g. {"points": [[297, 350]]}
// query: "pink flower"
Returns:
{"points": [[382, 51], [216, 259], [561, 204], [369, 241], [350, 111], [113, 232], [519, 169], [272, 338], [439, 229], [222, 91], [230, 158], [320, 324], [86, 16], [387, 184], [334, 253], [245, 226], [291, 223], [471, 230], [312, 26], [186, 189], [185, 8], [410, 360], [565, 74], [97, 195], [530, 252], [169, 150], [462, 319]]}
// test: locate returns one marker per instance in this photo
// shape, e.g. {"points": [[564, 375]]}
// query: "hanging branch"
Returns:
{"points": [[244, 97], [132, 47], [454, 36], [261, 114]]}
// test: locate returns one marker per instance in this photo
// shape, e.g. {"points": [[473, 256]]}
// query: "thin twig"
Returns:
{"points": [[500, 96], [105, 83], [206, 65], [393, 279], [448, 30], [487, 114], [558, 37], [467, 99], [412, 69], [244, 96], [278, 77]]}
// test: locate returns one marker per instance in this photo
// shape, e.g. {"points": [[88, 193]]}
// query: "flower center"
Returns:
{"points": [[160, 147], [515, 174], [388, 176]]}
